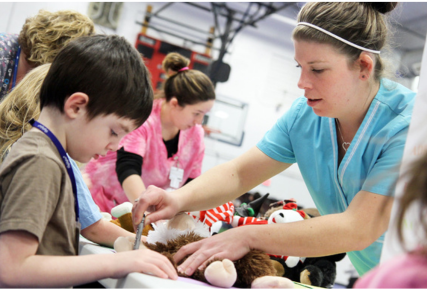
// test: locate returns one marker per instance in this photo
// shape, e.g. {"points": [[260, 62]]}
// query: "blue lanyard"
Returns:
{"points": [[16, 67], [64, 158]]}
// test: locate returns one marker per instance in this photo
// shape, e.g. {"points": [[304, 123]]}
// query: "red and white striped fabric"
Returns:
{"points": [[222, 213], [240, 221]]}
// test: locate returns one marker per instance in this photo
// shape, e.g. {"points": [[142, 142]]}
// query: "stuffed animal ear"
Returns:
{"points": [[182, 222]]}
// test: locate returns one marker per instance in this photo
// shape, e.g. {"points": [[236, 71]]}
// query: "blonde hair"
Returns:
{"points": [[45, 34], [19, 107], [360, 23]]}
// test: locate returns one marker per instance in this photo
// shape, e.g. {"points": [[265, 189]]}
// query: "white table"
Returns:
{"points": [[136, 280]]}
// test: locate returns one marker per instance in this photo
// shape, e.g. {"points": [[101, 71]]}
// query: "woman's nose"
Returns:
{"points": [[303, 82]]}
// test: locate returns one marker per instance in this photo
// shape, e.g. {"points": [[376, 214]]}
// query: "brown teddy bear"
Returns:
{"points": [[254, 270]]}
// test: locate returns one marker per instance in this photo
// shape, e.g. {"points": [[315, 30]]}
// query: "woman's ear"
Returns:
{"points": [[366, 65], [75, 105]]}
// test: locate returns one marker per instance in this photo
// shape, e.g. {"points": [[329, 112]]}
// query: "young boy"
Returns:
{"points": [[96, 91]]}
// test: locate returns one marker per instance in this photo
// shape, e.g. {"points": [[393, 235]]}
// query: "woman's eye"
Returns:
{"points": [[298, 66], [113, 133], [317, 70]]}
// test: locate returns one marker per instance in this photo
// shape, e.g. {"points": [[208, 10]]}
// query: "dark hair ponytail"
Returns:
{"points": [[381, 7], [188, 86]]}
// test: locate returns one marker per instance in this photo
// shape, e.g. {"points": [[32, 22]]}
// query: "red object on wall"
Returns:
{"points": [[155, 50]]}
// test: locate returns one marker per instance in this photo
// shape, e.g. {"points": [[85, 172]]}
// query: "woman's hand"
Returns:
{"points": [[162, 205], [228, 244]]}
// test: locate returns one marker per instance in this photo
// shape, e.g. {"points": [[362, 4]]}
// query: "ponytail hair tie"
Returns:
{"points": [[183, 69]]}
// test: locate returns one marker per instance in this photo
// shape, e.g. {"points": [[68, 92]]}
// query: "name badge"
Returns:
{"points": [[176, 175]]}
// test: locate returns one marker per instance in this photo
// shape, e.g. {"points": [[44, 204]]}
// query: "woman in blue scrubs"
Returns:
{"points": [[347, 135]]}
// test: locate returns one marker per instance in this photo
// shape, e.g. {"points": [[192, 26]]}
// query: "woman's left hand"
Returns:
{"points": [[229, 244]]}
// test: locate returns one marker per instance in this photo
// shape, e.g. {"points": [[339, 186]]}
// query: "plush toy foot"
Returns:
{"points": [[221, 273], [272, 282], [312, 275], [123, 244]]}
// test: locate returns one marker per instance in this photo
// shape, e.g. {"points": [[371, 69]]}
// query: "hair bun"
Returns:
{"points": [[174, 62], [382, 7]]}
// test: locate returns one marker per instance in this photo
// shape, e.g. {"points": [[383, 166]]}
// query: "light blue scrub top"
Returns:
{"points": [[371, 163], [89, 212]]}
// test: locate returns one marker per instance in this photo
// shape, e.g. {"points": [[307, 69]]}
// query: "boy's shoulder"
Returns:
{"points": [[32, 146]]}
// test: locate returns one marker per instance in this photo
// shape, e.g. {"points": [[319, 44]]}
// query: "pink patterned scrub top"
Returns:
{"points": [[147, 142]]}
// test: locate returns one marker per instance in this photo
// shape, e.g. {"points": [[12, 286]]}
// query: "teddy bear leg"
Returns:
{"points": [[221, 273], [329, 272], [311, 275], [272, 282]]}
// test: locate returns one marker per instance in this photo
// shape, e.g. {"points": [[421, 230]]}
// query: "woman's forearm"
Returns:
{"points": [[228, 181]]}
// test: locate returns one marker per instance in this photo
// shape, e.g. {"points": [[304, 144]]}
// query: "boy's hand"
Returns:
{"points": [[145, 261], [162, 205]]}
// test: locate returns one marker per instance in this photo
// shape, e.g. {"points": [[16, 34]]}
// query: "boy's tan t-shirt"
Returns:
{"points": [[36, 195]]}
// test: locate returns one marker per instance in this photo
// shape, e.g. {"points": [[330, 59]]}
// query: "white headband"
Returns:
{"points": [[338, 38]]}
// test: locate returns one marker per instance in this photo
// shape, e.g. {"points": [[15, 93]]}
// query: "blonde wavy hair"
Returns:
{"points": [[19, 107], [45, 34]]}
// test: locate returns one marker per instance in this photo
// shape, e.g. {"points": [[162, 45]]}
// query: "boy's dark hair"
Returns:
{"points": [[106, 68]]}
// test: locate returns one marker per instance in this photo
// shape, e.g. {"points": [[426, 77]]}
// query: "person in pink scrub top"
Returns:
{"points": [[167, 150]]}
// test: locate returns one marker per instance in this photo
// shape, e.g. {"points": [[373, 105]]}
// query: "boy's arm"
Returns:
{"points": [[25, 269], [104, 233]]}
